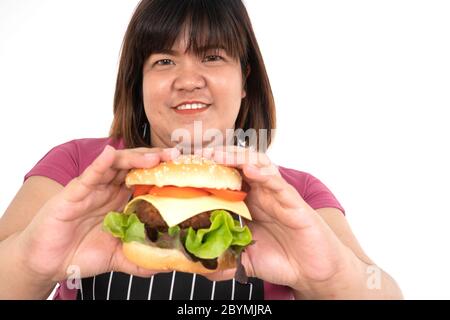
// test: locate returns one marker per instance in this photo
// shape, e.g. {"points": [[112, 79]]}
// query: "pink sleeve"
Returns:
{"points": [[59, 164], [317, 195], [312, 190]]}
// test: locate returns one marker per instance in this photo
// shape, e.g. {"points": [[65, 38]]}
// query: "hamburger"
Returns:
{"points": [[184, 215]]}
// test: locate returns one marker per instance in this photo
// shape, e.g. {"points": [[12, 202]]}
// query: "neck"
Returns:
{"points": [[158, 142]]}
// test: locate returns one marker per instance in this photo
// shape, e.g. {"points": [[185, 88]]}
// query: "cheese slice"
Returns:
{"points": [[176, 210]]}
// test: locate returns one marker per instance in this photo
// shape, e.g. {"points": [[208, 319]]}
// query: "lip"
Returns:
{"points": [[191, 111], [191, 102]]}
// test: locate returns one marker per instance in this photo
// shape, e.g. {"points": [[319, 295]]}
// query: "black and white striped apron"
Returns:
{"points": [[167, 286]]}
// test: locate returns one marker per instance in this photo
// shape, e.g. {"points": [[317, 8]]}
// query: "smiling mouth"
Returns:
{"points": [[191, 108]]}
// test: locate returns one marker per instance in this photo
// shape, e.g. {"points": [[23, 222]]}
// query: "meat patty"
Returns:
{"points": [[149, 215]]}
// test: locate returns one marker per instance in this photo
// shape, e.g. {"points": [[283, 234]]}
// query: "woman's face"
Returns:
{"points": [[175, 83]]}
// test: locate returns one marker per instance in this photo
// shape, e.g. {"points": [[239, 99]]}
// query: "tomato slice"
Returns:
{"points": [[178, 192], [188, 192], [140, 190], [230, 195]]}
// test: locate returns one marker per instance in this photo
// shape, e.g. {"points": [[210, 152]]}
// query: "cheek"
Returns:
{"points": [[230, 81], [153, 93], [227, 91], [154, 90]]}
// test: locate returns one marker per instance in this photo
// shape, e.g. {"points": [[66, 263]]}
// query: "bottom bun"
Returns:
{"points": [[154, 258]]}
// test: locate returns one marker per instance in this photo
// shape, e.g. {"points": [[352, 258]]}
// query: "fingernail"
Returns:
{"points": [[107, 149], [172, 152], [207, 152], [151, 156], [219, 155], [253, 169]]}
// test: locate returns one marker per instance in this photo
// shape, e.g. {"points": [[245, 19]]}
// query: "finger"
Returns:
{"points": [[128, 159], [239, 157], [120, 177], [95, 172], [268, 177], [81, 186], [119, 201], [143, 150], [231, 148], [104, 169], [165, 155], [246, 263], [221, 275], [204, 152], [283, 192], [208, 152], [169, 154]]}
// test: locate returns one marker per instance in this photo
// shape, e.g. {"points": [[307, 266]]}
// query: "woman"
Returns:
{"points": [[177, 55]]}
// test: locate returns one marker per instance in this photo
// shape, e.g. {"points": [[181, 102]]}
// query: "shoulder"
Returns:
{"points": [[95, 144], [310, 188], [67, 160], [87, 149], [299, 179]]}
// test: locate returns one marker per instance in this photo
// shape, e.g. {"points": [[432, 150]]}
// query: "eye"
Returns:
{"points": [[163, 62], [212, 58]]}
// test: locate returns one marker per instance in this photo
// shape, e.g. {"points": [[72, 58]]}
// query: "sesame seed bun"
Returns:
{"points": [[187, 171], [154, 258]]}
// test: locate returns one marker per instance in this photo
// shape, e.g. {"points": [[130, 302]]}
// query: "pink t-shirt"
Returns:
{"points": [[68, 160]]}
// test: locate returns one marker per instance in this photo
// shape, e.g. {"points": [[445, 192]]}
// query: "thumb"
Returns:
{"points": [[247, 264], [93, 175]]}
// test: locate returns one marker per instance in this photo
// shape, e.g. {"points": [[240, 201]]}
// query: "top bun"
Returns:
{"points": [[187, 171]]}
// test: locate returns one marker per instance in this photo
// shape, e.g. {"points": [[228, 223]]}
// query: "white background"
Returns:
{"points": [[362, 91]]}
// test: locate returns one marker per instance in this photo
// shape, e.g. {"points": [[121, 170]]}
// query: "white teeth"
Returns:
{"points": [[192, 106]]}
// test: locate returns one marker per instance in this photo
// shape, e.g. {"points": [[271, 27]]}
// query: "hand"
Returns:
{"points": [[293, 245], [67, 229]]}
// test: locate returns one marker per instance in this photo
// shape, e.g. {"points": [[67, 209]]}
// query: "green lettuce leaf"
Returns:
{"points": [[173, 231], [212, 242], [126, 227]]}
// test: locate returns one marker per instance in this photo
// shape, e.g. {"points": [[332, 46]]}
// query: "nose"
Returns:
{"points": [[189, 78]]}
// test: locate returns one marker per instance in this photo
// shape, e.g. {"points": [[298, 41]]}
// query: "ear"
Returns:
{"points": [[244, 90], [244, 93]]}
